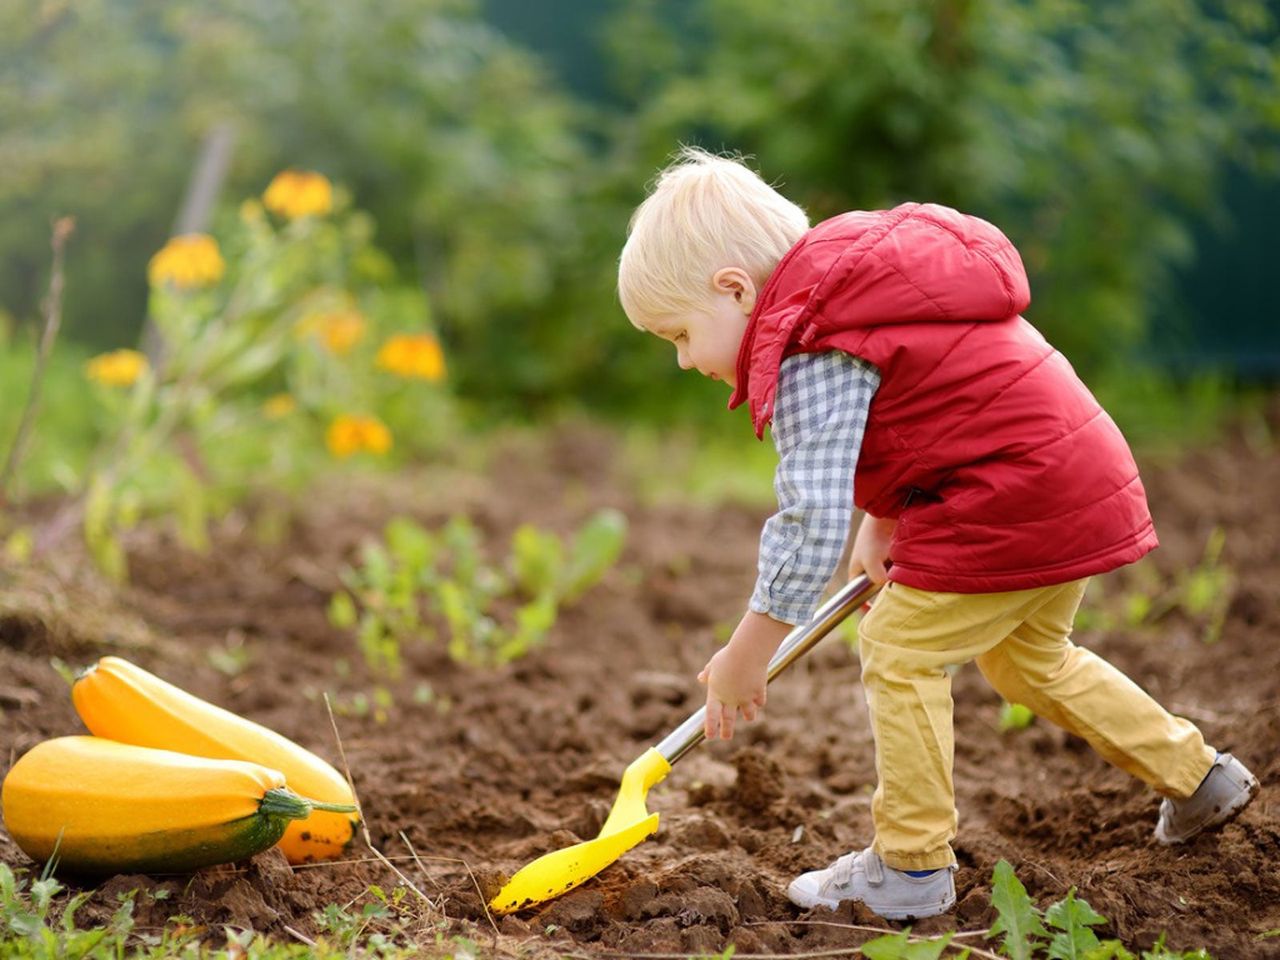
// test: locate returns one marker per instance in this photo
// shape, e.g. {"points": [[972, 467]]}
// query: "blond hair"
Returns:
{"points": [[705, 212]]}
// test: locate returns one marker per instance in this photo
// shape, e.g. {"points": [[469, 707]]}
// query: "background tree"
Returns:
{"points": [[1091, 132], [446, 132]]}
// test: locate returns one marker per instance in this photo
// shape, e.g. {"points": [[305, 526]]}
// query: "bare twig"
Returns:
{"points": [[364, 826], [326, 864], [470, 873], [850, 951], [63, 227], [413, 855], [301, 938], [956, 935]]}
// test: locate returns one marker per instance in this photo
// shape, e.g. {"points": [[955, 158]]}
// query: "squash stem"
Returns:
{"points": [[332, 807], [283, 802]]}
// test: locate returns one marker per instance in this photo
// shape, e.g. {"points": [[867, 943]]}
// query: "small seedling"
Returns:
{"points": [[1014, 716], [417, 582]]}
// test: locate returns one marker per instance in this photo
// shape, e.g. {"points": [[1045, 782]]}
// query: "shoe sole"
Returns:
{"points": [[1225, 816], [919, 913]]}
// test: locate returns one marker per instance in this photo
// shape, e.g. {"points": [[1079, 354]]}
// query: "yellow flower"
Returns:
{"points": [[299, 193], [250, 212], [119, 368], [412, 355], [351, 433], [191, 260], [278, 406], [339, 331]]}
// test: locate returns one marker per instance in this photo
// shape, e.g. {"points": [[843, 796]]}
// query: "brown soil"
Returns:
{"points": [[495, 768]]}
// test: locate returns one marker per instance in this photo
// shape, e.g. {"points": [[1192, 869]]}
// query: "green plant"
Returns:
{"points": [[297, 342], [1202, 592], [1064, 931], [64, 438], [1205, 591], [415, 580], [903, 946], [1014, 716], [30, 928]]}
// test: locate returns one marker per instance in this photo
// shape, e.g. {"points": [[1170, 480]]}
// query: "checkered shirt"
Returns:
{"points": [[820, 414]]}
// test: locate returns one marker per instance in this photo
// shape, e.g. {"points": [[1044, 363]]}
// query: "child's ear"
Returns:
{"points": [[736, 281]]}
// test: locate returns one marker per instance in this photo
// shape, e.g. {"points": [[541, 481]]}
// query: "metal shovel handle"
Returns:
{"points": [[796, 644]]}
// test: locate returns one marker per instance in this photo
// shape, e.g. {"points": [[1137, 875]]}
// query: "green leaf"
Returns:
{"points": [[898, 946], [1014, 716], [1109, 950], [1072, 918], [888, 947], [537, 559], [376, 565], [463, 542], [411, 545], [1137, 607], [595, 548], [1017, 918], [342, 610]]}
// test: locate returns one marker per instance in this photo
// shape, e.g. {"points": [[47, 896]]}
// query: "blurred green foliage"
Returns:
{"points": [[444, 131], [1093, 133], [1090, 132], [60, 449], [418, 584]]}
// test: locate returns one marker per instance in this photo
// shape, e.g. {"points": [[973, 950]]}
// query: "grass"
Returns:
{"points": [[38, 922]]}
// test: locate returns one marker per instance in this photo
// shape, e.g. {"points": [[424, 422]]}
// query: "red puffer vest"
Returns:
{"points": [[1001, 468]]}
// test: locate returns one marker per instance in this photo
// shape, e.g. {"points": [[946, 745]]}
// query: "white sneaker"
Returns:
{"points": [[892, 894], [1226, 790]]}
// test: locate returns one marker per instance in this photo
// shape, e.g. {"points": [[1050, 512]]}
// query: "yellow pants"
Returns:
{"points": [[1021, 643]]}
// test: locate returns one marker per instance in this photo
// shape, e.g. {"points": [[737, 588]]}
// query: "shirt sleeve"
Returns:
{"points": [[820, 415]]}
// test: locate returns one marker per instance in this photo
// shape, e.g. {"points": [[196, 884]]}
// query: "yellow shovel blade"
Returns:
{"points": [[560, 871]]}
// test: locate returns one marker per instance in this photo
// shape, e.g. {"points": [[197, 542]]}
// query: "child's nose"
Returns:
{"points": [[682, 358]]}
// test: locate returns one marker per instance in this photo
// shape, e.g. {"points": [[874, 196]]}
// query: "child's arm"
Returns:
{"points": [[736, 676], [819, 418]]}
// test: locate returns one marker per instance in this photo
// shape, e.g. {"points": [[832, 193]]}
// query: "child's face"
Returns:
{"points": [[707, 339]]}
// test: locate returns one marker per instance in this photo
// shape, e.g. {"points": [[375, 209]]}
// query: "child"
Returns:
{"points": [[888, 352]]}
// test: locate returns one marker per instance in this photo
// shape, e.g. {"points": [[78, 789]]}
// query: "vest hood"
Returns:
{"points": [[914, 263]]}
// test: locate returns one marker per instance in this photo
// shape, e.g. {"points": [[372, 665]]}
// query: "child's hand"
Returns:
{"points": [[871, 548], [736, 676], [735, 685]]}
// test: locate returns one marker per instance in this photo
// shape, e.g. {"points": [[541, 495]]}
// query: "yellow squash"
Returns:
{"points": [[109, 807], [121, 701]]}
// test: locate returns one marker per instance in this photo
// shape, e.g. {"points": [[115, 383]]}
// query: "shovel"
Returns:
{"points": [[628, 822]]}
